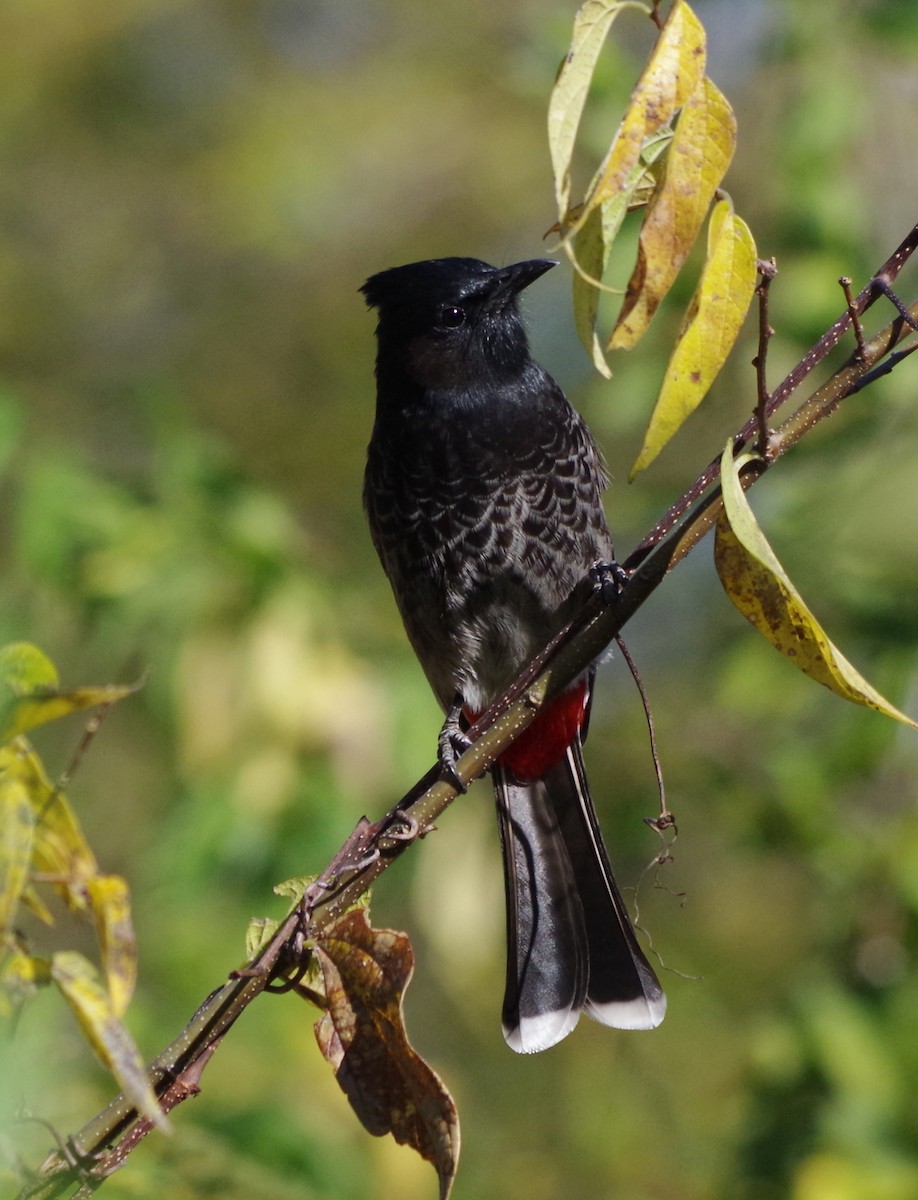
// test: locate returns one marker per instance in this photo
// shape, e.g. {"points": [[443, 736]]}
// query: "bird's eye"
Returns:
{"points": [[451, 317]]}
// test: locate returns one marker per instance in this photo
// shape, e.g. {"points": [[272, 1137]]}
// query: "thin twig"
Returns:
{"points": [[884, 368], [92, 727], [856, 324], [882, 285], [665, 817], [788, 386], [767, 271]]}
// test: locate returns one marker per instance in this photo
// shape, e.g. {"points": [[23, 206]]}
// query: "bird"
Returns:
{"points": [[483, 494]]}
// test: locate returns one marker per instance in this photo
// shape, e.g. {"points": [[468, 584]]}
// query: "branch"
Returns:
{"points": [[875, 288], [102, 1145]]}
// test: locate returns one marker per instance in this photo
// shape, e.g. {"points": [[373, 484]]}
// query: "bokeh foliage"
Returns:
{"points": [[190, 195]]}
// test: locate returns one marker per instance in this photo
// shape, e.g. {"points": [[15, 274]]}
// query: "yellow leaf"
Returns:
{"points": [[21, 975], [79, 984], [568, 97], [669, 79], [17, 826], [709, 331], [34, 903], [110, 901], [59, 849], [30, 711], [693, 169], [30, 695], [756, 583], [390, 1087]]}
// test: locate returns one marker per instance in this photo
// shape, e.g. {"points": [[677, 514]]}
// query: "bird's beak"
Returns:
{"points": [[510, 281]]}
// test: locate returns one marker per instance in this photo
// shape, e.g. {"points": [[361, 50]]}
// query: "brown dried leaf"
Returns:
{"points": [[389, 1086]]}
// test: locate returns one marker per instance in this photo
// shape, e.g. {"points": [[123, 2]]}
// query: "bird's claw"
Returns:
{"points": [[608, 579], [452, 743]]}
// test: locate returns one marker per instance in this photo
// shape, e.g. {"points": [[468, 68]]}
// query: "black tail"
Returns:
{"points": [[570, 945]]}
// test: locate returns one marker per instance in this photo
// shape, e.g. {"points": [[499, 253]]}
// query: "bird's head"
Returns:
{"points": [[448, 322]]}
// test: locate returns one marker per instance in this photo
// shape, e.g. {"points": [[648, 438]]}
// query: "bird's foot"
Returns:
{"points": [[608, 579], [452, 744]]}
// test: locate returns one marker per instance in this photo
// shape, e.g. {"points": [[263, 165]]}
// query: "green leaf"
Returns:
{"points": [[25, 668], [565, 107], [757, 584], [295, 887], [592, 243], [259, 932], [589, 253]]}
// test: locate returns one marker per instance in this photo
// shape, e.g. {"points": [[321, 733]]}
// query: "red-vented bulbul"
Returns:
{"points": [[484, 496]]}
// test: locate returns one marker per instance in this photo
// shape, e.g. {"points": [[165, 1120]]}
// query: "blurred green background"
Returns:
{"points": [[191, 192]]}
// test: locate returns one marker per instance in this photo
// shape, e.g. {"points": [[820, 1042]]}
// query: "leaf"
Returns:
{"points": [[59, 849], [30, 711], [60, 852], [710, 329], [693, 169], [589, 251], [17, 829], [294, 888], [79, 984], [565, 106], [672, 74], [34, 903], [259, 932], [756, 583], [31, 694], [25, 668], [389, 1086], [297, 887], [110, 901], [21, 975]]}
